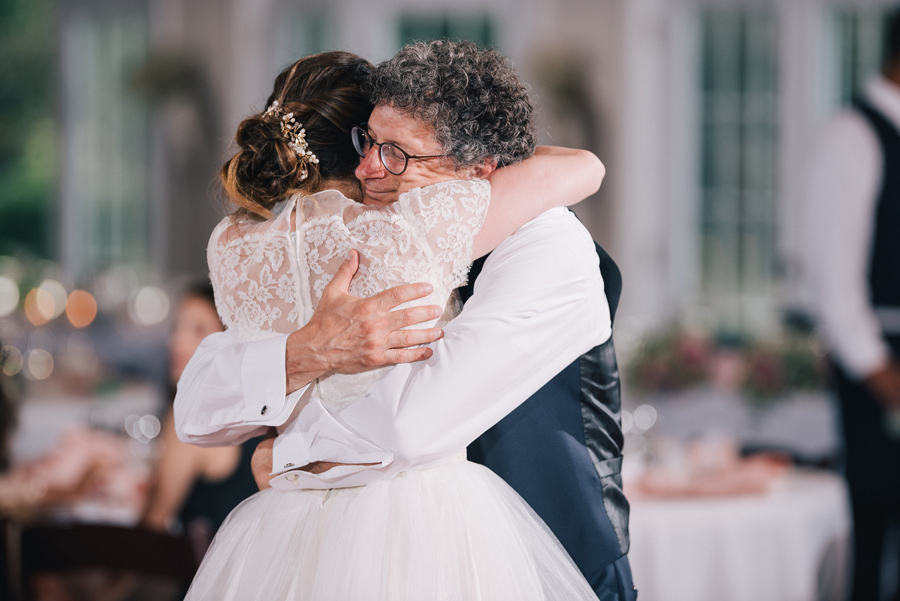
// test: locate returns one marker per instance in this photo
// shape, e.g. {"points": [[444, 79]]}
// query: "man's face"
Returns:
{"points": [[415, 137]]}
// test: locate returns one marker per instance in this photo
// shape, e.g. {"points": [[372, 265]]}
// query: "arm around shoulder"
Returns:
{"points": [[580, 172], [552, 177]]}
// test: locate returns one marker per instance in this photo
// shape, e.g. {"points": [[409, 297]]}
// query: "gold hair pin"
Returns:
{"points": [[293, 131]]}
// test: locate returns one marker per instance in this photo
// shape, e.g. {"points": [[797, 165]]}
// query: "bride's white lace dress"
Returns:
{"points": [[451, 531]]}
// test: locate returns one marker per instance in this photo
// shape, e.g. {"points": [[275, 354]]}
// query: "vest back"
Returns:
{"points": [[884, 261]]}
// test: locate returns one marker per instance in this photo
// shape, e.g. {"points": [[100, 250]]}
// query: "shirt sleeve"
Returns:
{"points": [[538, 305], [841, 196], [232, 391]]}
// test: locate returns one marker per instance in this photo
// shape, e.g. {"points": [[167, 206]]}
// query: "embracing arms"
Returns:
{"points": [[232, 391], [552, 177]]}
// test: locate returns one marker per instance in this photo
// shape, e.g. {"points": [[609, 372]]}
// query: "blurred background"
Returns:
{"points": [[116, 114]]}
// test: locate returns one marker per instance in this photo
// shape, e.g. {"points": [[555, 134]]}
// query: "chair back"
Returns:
{"points": [[49, 548]]}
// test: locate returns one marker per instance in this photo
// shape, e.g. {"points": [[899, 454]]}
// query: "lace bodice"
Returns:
{"points": [[269, 276]]}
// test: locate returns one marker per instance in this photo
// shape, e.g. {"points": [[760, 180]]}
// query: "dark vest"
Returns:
{"points": [[561, 450], [884, 262]]}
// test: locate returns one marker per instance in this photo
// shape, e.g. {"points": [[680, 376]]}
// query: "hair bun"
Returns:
{"points": [[266, 169], [303, 136]]}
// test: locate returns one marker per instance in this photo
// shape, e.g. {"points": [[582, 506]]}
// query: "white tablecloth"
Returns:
{"points": [[790, 544]]}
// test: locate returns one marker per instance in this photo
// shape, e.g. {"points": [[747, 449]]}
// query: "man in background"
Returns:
{"points": [[853, 261]]}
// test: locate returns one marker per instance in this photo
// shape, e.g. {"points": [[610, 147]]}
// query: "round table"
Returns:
{"points": [[789, 544]]}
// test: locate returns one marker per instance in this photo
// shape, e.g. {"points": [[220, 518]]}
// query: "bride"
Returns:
{"points": [[453, 529]]}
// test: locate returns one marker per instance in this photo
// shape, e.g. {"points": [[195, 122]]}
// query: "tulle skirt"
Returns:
{"points": [[453, 532]]}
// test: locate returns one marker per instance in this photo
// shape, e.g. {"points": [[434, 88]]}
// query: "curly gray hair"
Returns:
{"points": [[471, 96]]}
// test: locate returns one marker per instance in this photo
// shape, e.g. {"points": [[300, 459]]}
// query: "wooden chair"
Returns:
{"points": [[41, 549]]}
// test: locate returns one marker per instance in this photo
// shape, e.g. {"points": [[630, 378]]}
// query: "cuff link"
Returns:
{"points": [[287, 465], [264, 409]]}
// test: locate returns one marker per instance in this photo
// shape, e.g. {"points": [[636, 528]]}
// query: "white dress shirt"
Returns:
{"points": [[844, 183], [538, 305]]}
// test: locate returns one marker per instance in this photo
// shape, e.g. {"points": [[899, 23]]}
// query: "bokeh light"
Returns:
{"points": [[149, 426], [150, 306], [11, 360], [40, 364], [58, 293], [81, 308], [39, 306], [9, 295], [627, 421], [130, 425], [142, 428], [644, 417]]}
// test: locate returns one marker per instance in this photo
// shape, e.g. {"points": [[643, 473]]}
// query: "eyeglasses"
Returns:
{"points": [[394, 158]]}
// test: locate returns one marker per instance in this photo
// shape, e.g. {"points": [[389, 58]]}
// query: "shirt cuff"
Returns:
{"points": [[289, 452], [263, 382]]}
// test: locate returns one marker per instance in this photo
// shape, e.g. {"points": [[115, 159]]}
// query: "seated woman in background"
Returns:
{"points": [[194, 487]]}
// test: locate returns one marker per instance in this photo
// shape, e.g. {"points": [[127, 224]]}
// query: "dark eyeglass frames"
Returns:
{"points": [[394, 158]]}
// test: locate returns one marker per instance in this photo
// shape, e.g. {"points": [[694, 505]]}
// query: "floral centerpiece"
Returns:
{"points": [[761, 370]]}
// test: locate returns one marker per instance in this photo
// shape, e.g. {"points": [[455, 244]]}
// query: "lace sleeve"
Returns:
{"points": [[251, 266], [448, 215]]}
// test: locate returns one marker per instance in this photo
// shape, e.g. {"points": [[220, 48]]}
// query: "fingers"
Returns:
{"points": [[345, 273], [412, 355], [398, 295], [396, 320], [406, 338]]}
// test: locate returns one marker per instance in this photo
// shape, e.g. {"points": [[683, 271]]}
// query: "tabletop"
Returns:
{"points": [[790, 543]]}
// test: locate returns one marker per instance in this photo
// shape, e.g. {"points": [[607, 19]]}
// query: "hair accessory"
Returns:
{"points": [[296, 137], [274, 109]]}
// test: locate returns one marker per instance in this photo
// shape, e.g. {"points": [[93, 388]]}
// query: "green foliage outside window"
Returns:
{"points": [[28, 126]]}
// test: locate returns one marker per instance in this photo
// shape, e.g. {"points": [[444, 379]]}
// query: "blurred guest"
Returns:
{"points": [[84, 466], [853, 259], [195, 487]]}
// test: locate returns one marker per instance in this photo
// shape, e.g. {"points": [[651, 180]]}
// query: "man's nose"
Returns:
{"points": [[370, 165]]}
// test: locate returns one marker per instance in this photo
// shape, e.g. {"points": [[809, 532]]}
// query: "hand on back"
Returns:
{"points": [[348, 334]]}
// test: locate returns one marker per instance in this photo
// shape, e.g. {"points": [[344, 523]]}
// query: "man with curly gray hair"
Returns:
{"points": [[450, 110]]}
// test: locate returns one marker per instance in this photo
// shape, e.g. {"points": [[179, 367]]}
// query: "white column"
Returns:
{"points": [[645, 215], [807, 96]]}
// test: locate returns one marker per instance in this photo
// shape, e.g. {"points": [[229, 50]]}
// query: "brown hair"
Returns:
{"points": [[324, 93]]}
